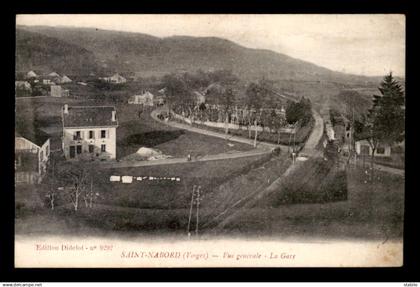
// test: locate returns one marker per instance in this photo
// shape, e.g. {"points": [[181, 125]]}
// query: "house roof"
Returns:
{"points": [[53, 74], [89, 116], [146, 94], [31, 74], [65, 79], [31, 133]]}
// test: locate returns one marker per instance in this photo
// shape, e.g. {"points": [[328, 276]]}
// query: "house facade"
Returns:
{"points": [[89, 132], [145, 99], [32, 152], [115, 79], [199, 98], [363, 148], [58, 91], [31, 74]]}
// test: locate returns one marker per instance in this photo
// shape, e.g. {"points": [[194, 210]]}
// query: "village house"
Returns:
{"points": [[146, 98], [89, 132], [363, 148], [32, 151], [58, 91], [115, 79], [64, 80], [23, 85], [53, 78], [31, 75], [47, 82], [199, 98]]}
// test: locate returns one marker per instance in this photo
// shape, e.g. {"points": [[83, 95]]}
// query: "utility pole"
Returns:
{"points": [[256, 132], [198, 207], [191, 206]]}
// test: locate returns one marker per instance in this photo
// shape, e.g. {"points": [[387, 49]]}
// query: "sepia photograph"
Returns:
{"points": [[209, 140]]}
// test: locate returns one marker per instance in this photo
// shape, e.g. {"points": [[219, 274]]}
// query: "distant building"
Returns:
{"points": [[31, 74], [145, 99], [53, 75], [363, 148], [65, 80], [23, 85], [47, 82], [58, 91], [200, 98], [32, 151], [54, 78], [89, 132], [115, 79]]}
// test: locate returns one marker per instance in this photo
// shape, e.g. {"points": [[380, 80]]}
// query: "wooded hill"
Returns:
{"points": [[84, 50]]}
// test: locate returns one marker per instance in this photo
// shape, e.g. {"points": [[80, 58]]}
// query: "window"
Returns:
{"points": [[91, 135], [41, 155], [103, 134], [47, 150], [380, 150], [18, 161], [364, 149], [78, 149], [76, 136], [103, 148], [91, 147]]}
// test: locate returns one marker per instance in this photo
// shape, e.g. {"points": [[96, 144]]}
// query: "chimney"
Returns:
{"points": [[66, 109], [114, 116]]}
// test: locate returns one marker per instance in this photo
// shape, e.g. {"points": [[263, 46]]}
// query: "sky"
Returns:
{"points": [[371, 45]]}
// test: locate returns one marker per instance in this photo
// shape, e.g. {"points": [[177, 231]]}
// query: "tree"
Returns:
{"points": [[77, 176], [227, 101], [278, 123], [299, 111], [52, 182], [253, 100], [384, 122], [176, 89]]}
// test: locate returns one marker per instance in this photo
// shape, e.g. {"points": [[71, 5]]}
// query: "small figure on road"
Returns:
{"points": [[189, 157]]}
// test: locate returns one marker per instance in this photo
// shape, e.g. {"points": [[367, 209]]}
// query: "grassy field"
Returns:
{"points": [[135, 132], [315, 181], [372, 211], [142, 206]]}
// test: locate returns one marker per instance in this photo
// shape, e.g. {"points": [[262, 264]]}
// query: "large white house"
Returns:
{"points": [[32, 151], [89, 132]]}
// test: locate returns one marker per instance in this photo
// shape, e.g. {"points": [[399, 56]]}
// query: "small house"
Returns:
{"points": [[363, 148], [47, 82], [199, 98], [58, 91], [31, 74], [22, 85], [115, 79], [145, 99], [65, 80], [32, 151]]}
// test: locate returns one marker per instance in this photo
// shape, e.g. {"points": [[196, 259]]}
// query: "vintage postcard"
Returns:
{"points": [[209, 140]]}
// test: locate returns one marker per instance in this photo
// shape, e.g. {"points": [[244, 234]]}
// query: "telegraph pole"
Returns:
{"points": [[191, 206], [198, 207], [256, 131]]}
